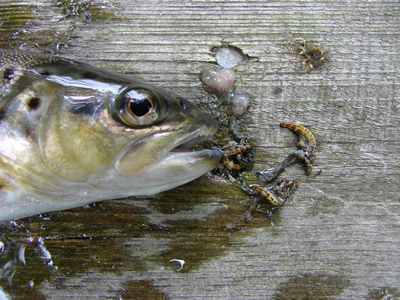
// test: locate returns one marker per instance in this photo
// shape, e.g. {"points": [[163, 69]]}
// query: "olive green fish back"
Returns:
{"points": [[13, 65]]}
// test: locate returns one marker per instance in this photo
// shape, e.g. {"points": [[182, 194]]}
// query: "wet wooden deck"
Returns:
{"points": [[336, 237]]}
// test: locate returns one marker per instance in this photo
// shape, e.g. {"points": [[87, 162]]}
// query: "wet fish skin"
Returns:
{"points": [[72, 134]]}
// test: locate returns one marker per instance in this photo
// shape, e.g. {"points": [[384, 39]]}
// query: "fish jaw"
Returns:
{"points": [[174, 169], [176, 165], [180, 168]]}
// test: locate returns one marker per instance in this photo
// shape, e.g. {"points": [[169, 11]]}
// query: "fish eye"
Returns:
{"points": [[139, 107]]}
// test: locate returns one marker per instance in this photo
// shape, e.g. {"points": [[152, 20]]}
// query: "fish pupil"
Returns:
{"points": [[140, 106]]}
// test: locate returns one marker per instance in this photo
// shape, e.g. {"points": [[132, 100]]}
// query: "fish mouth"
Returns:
{"points": [[185, 147], [186, 142], [181, 149], [161, 153]]}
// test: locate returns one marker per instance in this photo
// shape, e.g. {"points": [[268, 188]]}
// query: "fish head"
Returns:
{"points": [[101, 135]]}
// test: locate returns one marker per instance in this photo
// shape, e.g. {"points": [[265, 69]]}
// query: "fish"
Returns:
{"points": [[72, 134]]}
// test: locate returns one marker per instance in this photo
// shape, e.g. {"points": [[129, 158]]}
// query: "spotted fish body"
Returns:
{"points": [[72, 134]]}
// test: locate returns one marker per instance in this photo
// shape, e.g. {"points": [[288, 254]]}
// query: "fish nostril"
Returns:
{"points": [[187, 106], [184, 105]]}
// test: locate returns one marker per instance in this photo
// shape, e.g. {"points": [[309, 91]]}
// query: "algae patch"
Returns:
{"points": [[14, 18], [74, 8], [312, 286], [33, 27], [20, 28], [85, 9]]}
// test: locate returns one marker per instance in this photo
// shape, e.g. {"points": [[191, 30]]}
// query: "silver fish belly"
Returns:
{"points": [[72, 134]]}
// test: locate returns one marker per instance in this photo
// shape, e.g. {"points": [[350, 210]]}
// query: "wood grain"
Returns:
{"points": [[337, 237]]}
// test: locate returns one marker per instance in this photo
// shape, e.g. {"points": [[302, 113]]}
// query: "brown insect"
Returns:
{"points": [[282, 191], [232, 153], [299, 129], [306, 145]]}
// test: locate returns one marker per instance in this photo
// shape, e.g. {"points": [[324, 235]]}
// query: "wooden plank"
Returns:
{"points": [[337, 237]]}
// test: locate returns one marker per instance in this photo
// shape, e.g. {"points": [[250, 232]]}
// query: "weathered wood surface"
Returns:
{"points": [[337, 237]]}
